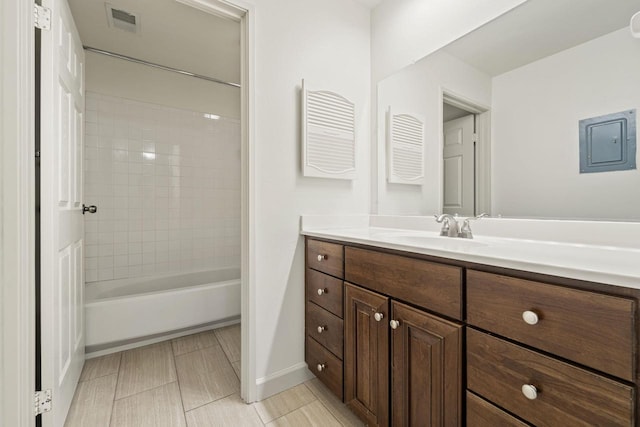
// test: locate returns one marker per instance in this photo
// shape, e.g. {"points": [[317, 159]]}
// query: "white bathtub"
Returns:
{"points": [[117, 311]]}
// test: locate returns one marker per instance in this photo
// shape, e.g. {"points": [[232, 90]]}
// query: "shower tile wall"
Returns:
{"points": [[167, 185]]}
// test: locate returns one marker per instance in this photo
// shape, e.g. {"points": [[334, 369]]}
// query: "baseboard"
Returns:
{"points": [[104, 349], [282, 380]]}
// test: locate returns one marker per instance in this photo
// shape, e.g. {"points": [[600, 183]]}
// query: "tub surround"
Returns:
{"points": [[526, 327], [598, 251], [167, 185]]}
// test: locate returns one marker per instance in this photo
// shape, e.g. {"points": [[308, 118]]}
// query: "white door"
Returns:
{"points": [[459, 169], [62, 285]]}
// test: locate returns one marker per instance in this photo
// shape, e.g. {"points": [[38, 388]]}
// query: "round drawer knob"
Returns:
{"points": [[530, 317], [378, 316], [321, 367], [322, 291], [530, 391], [394, 324], [321, 329], [321, 257]]}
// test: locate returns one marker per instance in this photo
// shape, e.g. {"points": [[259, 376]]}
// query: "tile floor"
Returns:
{"points": [[192, 381]]}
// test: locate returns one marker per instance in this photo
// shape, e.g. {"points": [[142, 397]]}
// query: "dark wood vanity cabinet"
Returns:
{"points": [[402, 364], [367, 354], [406, 340], [549, 354], [324, 328], [422, 353], [426, 373], [424, 350]]}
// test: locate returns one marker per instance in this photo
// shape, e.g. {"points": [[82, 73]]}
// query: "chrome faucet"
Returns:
{"points": [[465, 230], [451, 228], [450, 225]]}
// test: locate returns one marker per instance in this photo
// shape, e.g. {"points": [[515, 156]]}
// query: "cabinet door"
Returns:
{"points": [[426, 368], [366, 355]]}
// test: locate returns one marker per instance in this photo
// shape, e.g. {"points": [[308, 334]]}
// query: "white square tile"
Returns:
{"points": [[105, 262], [120, 272], [91, 275], [105, 249], [135, 270], [105, 274]]}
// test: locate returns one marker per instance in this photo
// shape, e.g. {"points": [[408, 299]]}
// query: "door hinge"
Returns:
{"points": [[42, 402], [41, 17]]}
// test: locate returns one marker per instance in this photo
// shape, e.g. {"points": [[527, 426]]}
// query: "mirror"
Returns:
{"points": [[526, 79]]}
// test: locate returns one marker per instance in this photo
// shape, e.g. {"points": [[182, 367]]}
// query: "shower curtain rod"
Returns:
{"points": [[161, 67]]}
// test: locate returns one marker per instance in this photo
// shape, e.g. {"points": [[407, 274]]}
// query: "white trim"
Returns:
{"points": [[483, 159], [483, 148], [283, 380], [17, 286], [219, 8], [248, 270], [244, 12]]}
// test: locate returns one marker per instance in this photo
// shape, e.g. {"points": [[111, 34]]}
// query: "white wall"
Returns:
{"points": [[167, 185], [326, 42], [536, 109], [404, 31], [125, 79], [416, 90]]}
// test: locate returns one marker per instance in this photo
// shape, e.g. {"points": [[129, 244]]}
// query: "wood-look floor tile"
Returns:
{"points": [[236, 368], [159, 407], [92, 403], [230, 411], [101, 366], [194, 342], [333, 404], [145, 368], [283, 403], [312, 415], [229, 339], [205, 375]]}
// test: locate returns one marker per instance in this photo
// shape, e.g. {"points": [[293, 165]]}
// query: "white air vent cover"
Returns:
{"points": [[122, 19], [328, 135], [405, 149]]}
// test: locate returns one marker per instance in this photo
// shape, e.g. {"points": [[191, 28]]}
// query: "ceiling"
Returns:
{"points": [[539, 28], [370, 3], [172, 34]]}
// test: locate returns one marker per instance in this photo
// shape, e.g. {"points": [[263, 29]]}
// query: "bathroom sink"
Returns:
{"points": [[451, 243]]}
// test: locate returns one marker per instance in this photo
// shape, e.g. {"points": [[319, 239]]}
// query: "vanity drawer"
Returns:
{"points": [[566, 395], [593, 329], [331, 336], [325, 257], [324, 290], [331, 372], [481, 413], [435, 287]]}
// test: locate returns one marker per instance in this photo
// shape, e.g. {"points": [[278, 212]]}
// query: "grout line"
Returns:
{"points": [[144, 391], [115, 390], [184, 413], [213, 401], [193, 351], [293, 410], [330, 412]]}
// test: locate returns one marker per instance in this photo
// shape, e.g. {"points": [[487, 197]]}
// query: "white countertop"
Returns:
{"points": [[615, 265]]}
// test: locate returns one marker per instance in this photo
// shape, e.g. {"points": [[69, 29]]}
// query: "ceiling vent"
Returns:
{"points": [[122, 19]]}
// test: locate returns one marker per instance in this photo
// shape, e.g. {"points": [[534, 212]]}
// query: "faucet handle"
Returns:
{"points": [[465, 230]]}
